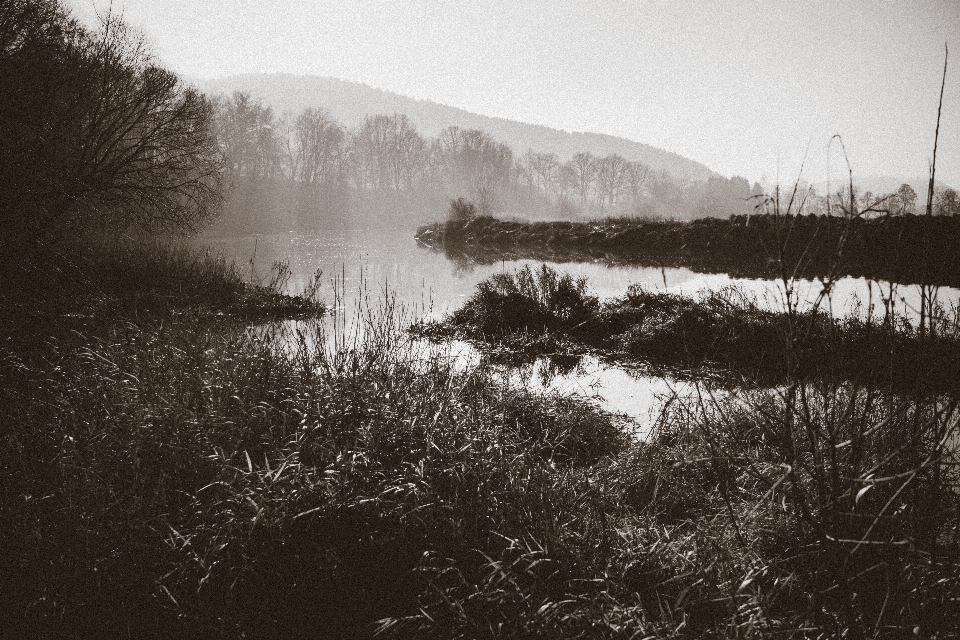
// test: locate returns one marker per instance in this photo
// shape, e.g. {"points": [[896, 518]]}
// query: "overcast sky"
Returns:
{"points": [[747, 87]]}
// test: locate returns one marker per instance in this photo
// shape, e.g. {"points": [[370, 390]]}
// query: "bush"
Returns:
{"points": [[461, 210], [527, 301]]}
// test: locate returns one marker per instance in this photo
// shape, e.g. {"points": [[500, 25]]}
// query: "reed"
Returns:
{"points": [[188, 474], [185, 474]]}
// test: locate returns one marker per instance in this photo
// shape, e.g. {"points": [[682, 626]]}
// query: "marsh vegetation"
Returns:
{"points": [[908, 249], [177, 473], [195, 446]]}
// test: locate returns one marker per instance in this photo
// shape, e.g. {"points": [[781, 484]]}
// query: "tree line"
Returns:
{"points": [[862, 202], [304, 168], [98, 135]]}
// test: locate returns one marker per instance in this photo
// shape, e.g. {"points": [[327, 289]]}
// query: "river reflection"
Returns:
{"points": [[638, 397], [365, 266], [367, 262]]}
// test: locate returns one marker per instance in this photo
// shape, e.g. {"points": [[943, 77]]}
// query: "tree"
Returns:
{"points": [[408, 154], [610, 178], [584, 169], [317, 147], [546, 170], [636, 175], [473, 161], [373, 146], [905, 199], [96, 133], [948, 202], [246, 134]]}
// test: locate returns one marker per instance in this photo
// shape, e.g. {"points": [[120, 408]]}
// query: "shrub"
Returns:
{"points": [[461, 210], [528, 300]]}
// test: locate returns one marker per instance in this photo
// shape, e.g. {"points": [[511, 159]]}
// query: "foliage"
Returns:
{"points": [[528, 300], [95, 132], [905, 249]]}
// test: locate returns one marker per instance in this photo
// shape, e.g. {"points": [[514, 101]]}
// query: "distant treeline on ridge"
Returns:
{"points": [[308, 170]]}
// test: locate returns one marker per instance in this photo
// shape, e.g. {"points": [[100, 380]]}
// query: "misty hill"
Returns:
{"points": [[350, 102]]}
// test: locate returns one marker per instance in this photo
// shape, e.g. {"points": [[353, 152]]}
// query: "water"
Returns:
{"points": [[369, 263], [376, 260]]}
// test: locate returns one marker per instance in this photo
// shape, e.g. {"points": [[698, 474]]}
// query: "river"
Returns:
{"points": [[361, 266]]}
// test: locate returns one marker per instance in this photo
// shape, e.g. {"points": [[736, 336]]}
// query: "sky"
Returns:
{"points": [[754, 88]]}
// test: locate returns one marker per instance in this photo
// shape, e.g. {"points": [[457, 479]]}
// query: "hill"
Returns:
{"points": [[350, 102]]}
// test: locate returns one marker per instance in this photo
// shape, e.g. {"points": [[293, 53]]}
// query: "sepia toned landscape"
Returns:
{"points": [[420, 320]]}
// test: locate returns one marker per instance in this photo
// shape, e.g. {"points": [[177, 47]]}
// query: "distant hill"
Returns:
{"points": [[350, 102]]}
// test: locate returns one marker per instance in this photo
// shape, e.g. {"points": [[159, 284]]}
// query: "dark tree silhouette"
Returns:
{"points": [[95, 133]]}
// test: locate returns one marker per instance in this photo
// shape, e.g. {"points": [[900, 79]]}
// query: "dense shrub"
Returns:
{"points": [[530, 299]]}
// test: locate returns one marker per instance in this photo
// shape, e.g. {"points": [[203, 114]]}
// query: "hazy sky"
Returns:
{"points": [[744, 86]]}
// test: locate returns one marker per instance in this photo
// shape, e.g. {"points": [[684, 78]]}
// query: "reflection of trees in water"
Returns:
{"points": [[466, 260], [557, 365], [543, 369], [463, 263]]}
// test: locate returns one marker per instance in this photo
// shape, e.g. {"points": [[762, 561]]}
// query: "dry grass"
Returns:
{"points": [[183, 475]]}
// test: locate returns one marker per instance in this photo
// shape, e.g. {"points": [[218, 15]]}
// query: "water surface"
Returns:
{"points": [[361, 267]]}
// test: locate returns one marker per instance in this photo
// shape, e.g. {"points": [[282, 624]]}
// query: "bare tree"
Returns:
{"points": [[905, 199], [409, 153], [584, 168], [610, 178], [546, 170], [373, 146], [476, 163], [636, 174], [318, 144], [948, 202], [95, 131]]}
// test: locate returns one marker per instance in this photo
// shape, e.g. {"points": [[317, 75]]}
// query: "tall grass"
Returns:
{"points": [[825, 506], [181, 475]]}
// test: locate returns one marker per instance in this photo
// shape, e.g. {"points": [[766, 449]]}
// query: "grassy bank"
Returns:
{"points": [[170, 472], [722, 333], [908, 249], [100, 278]]}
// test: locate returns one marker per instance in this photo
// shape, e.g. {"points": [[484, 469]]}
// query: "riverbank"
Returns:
{"points": [[99, 281], [172, 473], [167, 465], [908, 249]]}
